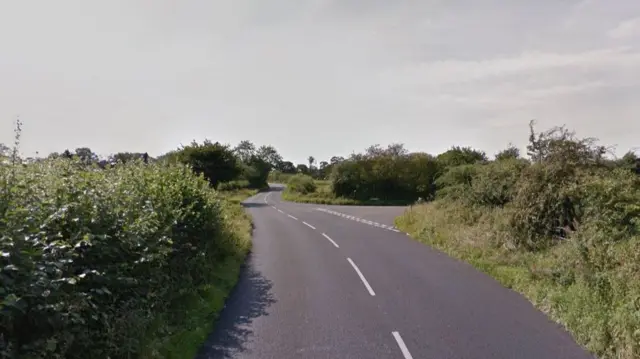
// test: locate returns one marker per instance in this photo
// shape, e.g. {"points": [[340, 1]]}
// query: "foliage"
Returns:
{"points": [[216, 162], [563, 228], [256, 172], [510, 153], [457, 156], [302, 184], [101, 263], [390, 174]]}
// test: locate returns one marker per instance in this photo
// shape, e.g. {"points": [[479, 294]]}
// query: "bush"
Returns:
{"points": [[233, 185], [302, 184], [390, 174], [256, 172], [562, 228], [97, 263], [494, 184], [216, 162]]}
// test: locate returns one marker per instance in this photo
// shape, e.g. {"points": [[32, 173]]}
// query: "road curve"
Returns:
{"points": [[335, 282]]}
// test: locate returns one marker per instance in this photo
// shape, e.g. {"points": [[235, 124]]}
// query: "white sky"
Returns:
{"points": [[316, 77]]}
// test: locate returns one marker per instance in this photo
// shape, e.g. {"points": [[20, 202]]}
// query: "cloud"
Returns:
{"points": [[626, 29], [315, 77]]}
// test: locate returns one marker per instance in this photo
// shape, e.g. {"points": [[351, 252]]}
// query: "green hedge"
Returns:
{"points": [[100, 263]]}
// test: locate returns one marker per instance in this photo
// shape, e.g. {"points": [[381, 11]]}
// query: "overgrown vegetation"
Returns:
{"points": [[562, 227], [129, 257]]}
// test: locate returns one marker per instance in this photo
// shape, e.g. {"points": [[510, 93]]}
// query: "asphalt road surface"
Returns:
{"points": [[341, 282]]}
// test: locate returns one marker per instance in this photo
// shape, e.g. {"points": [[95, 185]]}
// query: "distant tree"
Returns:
{"points": [[215, 161], [302, 168], [86, 155], [125, 157], [457, 156], [336, 159], [67, 154], [270, 155], [511, 152], [4, 150], [245, 150], [287, 167], [311, 160], [256, 171], [392, 150]]}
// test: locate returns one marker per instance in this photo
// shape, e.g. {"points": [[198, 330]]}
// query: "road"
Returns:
{"points": [[342, 282]]}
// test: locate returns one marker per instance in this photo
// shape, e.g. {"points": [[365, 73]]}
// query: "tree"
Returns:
{"points": [[270, 155], [216, 162], [125, 157], [287, 167], [336, 159], [4, 150], [302, 168], [245, 150], [311, 160], [256, 171], [457, 156], [511, 152], [86, 155]]}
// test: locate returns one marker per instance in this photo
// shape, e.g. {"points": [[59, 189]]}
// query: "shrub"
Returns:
{"points": [[455, 182], [216, 162], [390, 174], [97, 263], [302, 184], [256, 172], [494, 184], [233, 185]]}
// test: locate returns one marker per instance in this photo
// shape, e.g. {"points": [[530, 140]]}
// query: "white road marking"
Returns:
{"points": [[290, 216], [361, 220], [280, 211], [364, 280], [308, 225], [331, 240], [274, 207], [402, 346]]}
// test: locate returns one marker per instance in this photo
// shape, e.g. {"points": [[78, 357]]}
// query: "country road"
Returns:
{"points": [[341, 282]]}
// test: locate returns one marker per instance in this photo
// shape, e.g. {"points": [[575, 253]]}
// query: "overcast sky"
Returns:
{"points": [[316, 77]]}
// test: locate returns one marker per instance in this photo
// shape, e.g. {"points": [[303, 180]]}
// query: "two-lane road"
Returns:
{"points": [[336, 282]]}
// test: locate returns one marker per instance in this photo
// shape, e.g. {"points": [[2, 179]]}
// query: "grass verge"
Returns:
{"points": [[601, 312], [323, 195]]}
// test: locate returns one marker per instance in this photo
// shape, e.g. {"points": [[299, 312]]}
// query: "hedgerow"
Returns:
{"points": [[562, 227], [99, 262]]}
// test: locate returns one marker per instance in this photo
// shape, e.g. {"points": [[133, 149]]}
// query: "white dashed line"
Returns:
{"points": [[280, 211], [361, 220], [274, 207], [308, 225], [364, 280], [292, 217], [402, 346], [331, 240]]}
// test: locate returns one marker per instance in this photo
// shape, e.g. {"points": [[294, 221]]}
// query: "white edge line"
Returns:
{"points": [[308, 225], [402, 346], [290, 216], [364, 280], [331, 240]]}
